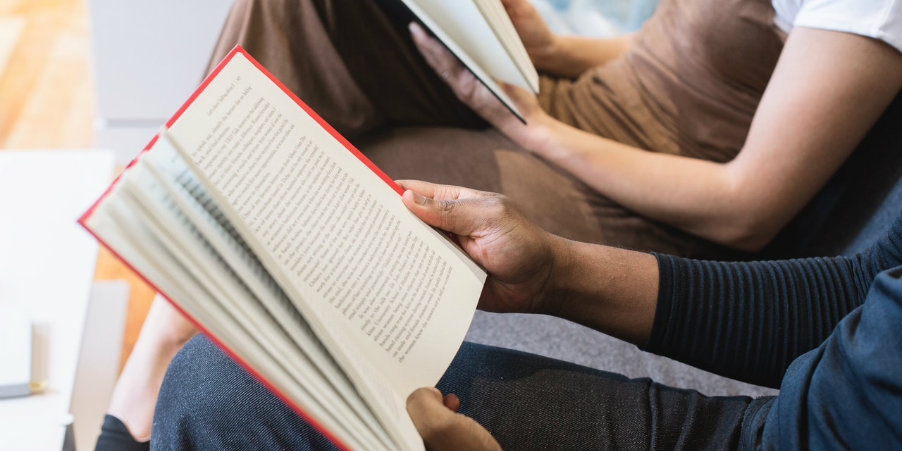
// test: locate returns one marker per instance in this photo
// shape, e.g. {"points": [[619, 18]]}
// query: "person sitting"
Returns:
{"points": [[702, 134], [823, 330]]}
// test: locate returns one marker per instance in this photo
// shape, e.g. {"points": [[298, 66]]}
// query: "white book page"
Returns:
{"points": [[478, 71], [476, 36], [127, 231], [504, 29], [381, 289], [171, 178]]}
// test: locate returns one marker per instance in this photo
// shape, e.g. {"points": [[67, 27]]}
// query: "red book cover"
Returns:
{"points": [[84, 218]]}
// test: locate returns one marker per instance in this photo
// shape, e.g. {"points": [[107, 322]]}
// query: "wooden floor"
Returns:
{"points": [[46, 102]]}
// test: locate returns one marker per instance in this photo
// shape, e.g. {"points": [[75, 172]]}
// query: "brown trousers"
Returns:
{"points": [[689, 85]]}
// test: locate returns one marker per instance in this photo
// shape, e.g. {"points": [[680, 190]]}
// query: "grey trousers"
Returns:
{"points": [[525, 401]]}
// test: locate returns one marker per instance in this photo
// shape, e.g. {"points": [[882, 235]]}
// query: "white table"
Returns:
{"points": [[47, 265]]}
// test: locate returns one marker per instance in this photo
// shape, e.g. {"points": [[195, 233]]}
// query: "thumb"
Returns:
{"points": [[426, 404], [459, 216], [429, 414], [516, 93], [442, 428]]}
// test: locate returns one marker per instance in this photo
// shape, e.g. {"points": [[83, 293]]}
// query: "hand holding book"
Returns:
{"points": [[538, 40], [517, 253], [533, 271], [466, 85], [530, 271], [518, 256], [291, 250]]}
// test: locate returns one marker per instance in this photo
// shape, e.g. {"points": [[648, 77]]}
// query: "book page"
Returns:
{"points": [[504, 29], [479, 34], [164, 243], [169, 173], [382, 290], [485, 76], [146, 253]]}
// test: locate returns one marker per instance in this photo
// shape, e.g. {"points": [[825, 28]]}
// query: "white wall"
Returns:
{"points": [[148, 58]]}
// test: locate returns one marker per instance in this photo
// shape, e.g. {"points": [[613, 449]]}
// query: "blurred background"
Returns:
{"points": [[84, 84]]}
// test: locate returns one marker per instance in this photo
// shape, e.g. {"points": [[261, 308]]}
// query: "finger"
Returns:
{"points": [[466, 217], [439, 58], [440, 192], [452, 402], [519, 95], [512, 8], [420, 187], [427, 411], [441, 428], [428, 46]]}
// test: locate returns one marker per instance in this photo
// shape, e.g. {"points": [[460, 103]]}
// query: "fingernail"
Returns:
{"points": [[416, 198], [414, 28]]}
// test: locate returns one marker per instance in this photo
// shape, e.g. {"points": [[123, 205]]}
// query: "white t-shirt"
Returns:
{"points": [[878, 19]]}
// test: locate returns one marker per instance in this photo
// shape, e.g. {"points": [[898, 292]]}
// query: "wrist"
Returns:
{"points": [[546, 137], [554, 57], [545, 57], [553, 298]]}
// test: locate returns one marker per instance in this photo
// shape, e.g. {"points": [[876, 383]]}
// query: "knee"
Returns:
{"points": [[201, 383], [203, 380], [208, 402]]}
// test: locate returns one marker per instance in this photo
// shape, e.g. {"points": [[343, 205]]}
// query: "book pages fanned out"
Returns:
{"points": [[295, 254]]}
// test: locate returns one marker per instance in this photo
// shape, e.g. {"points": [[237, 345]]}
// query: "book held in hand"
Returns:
{"points": [[482, 37], [294, 253]]}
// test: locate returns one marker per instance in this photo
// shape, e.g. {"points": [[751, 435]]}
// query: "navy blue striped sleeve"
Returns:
{"points": [[750, 320]]}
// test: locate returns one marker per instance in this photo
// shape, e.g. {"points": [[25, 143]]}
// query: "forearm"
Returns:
{"points": [[801, 133], [750, 320], [608, 289], [701, 197], [745, 320], [570, 56]]}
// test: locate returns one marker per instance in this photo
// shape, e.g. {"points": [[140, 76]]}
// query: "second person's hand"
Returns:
{"points": [[533, 135], [540, 43]]}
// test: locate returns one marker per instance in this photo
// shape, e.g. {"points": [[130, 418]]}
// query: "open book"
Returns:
{"points": [[294, 253], [481, 35]]}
